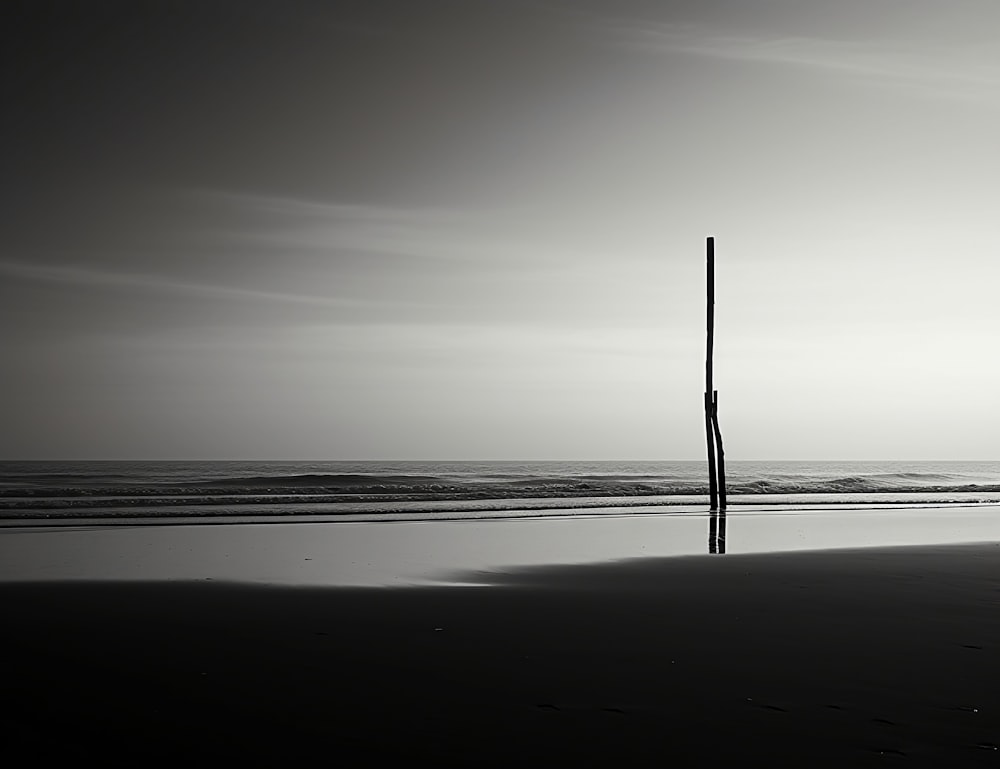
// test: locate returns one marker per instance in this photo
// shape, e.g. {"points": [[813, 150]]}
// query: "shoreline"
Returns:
{"points": [[307, 551], [569, 507]]}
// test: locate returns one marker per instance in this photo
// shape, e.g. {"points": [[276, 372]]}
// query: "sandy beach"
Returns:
{"points": [[371, 371], [876, 656]]}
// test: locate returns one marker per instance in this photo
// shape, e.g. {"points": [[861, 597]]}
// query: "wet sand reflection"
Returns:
{"points": [[717, 532]]}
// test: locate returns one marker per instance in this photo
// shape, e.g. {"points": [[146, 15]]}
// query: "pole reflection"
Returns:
{"points": [[717, 532]]}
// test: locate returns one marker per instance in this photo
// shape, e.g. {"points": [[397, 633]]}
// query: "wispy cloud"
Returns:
{"points": [[306, 208], [332, 225], [940, 72], [99, 278], [436, 240]]}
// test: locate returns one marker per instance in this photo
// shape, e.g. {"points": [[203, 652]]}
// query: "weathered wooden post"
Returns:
{"points": [[713, 489], [713, 435]]}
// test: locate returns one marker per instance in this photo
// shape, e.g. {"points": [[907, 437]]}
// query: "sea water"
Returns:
{"points": [[463, 489]]}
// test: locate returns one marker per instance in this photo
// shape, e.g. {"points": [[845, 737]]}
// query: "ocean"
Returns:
{"points": [[375, 490]]}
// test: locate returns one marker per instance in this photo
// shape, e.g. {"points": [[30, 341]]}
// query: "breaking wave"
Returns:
{"points": [[214, 489]]}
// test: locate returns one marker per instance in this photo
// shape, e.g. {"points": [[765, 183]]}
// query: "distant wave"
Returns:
{"points": [[61, 488], [69, 480], [327, 481]]}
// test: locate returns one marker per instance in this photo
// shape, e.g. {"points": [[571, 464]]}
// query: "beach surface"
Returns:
{"points": [[571, 642]]}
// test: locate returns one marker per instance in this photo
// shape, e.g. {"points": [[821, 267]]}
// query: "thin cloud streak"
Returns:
{"points": [[306, 208], [436, 246], [438, 236], [941, 73], [117, 280]]}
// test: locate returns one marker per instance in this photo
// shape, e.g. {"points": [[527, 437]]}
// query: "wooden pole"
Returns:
{"points": [[713, 489], [721, 464]]}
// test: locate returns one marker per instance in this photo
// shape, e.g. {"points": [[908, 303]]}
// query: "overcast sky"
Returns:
{"points": [[475, 230]]}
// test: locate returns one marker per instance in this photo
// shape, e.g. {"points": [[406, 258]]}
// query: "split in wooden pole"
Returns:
{"points": [[720, 452]]}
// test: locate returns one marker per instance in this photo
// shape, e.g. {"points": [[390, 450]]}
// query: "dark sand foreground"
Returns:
{"points": [[880, 657]]}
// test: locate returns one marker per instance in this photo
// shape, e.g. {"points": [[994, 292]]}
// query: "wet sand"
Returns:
{"points": [[862, 657]]}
